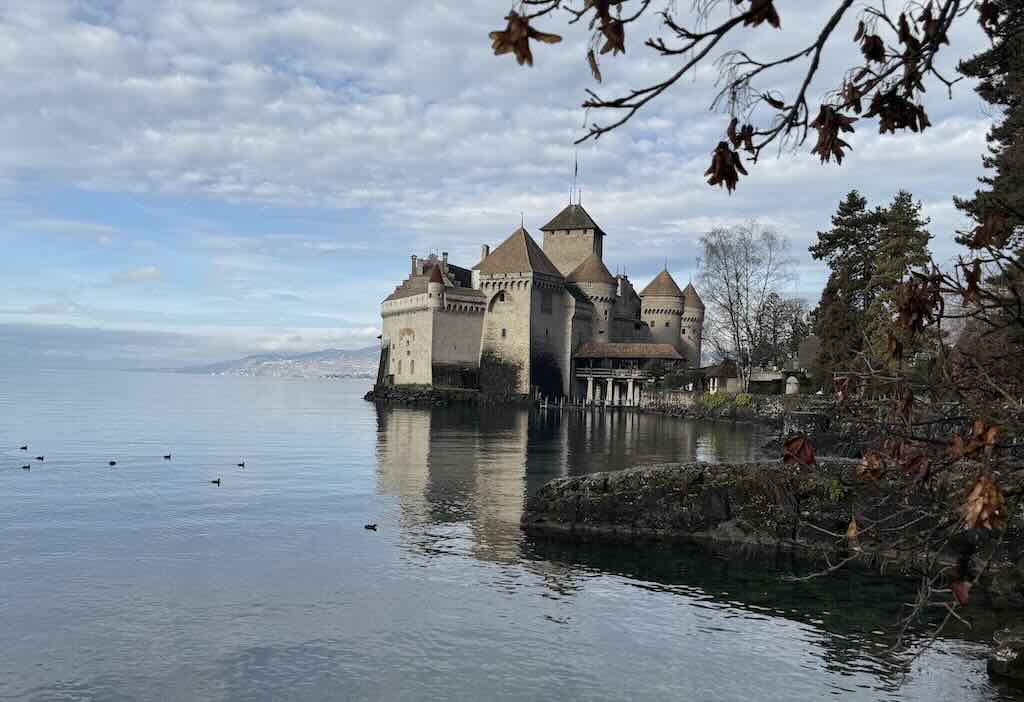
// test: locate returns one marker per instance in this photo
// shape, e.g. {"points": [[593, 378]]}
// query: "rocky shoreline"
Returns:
{"points": [[769, 508]]}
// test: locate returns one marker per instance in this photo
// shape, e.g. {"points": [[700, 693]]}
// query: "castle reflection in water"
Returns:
{"points": [[472, 467]]}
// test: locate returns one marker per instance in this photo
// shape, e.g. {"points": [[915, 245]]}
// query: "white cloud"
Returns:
{"points": [[401, 109], [142, 274]]}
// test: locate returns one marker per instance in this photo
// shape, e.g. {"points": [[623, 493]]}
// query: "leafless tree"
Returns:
{"points": [[742, 268]]}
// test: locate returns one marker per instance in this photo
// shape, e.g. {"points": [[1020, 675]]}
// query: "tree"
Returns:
{"points": [[785, 324], [741, 269], [890, 61], [903, 247], [948, 448], [837, 325], [851, 248]]}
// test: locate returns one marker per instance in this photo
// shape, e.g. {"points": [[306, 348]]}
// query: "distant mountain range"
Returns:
{"points": [[330, 363]]}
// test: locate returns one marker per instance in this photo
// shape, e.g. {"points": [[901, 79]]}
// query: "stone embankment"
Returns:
{"points": [[427, 395], [804, 509]]}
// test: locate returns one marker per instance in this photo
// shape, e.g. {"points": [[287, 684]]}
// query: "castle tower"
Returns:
{"points": [[592, 278], [435, 289], [661, 306], [524, 341], [571, 237], [692, 328]]}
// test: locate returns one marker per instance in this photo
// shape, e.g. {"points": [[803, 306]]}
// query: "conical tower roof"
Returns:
{"points": [[691, 297], [435, 275], [592, 270], [662, 286], [572, 217], [519, 253]]}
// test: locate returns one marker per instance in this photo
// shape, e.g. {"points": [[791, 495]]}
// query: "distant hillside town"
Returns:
{"points": [[546, 320]]}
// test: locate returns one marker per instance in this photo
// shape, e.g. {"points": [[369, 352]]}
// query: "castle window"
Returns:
{"points": [[502, 333], [412, 367], [545, 301], [683, 332], [666, 324], [501, 296], [399, 367]]}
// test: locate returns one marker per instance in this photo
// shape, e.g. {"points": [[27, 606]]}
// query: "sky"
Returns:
{"points": [[192, 180]]}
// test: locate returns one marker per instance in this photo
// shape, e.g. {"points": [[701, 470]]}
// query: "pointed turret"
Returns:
{"points": [[663, 285], [518, 254], [592, 270], [691, 298]]}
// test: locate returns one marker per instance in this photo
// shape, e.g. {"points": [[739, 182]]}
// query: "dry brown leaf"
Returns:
{"points": [[985, 506], [798, 449]]}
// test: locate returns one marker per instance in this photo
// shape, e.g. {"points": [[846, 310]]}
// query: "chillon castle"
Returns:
{"points": [[545, 319]]}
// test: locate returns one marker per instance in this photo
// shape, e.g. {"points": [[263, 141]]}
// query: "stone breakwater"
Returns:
{"points": [[427, 395], [763, 505]]}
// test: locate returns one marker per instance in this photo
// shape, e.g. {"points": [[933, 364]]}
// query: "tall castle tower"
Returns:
{"points": [[661, 306], [692, 325], [593, 279], [571, 237]]}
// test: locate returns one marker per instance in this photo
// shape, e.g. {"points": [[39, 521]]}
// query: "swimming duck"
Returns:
{"points": [[23, 448], [167, 457], [112, 463], [242, 464], [216, 482], [40, 458], [371, 527], [26, 467]]}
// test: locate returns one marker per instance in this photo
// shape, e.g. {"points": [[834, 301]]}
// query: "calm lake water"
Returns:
{"points": [[146, 582]]}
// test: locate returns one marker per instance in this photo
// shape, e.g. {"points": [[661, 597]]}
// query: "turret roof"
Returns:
{"points": [[592, 270], [572, 217], [691, 297], [435, 275], [519, 253], [662, 286]]}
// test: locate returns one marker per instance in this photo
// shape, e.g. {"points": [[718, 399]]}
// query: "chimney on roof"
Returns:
{"points": [[444, 261], [413, 271], [485, 251]]}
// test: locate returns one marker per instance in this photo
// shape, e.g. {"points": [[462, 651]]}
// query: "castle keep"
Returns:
{"points": [[548, 319]]}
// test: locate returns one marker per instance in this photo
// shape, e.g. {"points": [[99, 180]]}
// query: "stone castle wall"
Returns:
{"points": [[568, 248]]}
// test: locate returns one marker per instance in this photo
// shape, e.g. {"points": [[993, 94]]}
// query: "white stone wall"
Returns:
{"points": [[568, 248], [602, 296], [550, 322], [664, 315], [457, 332], [408, 327], [692, 333], [506, 325]]}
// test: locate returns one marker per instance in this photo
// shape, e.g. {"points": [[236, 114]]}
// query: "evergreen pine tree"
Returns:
{"points": [[903, 247], [1000, 70], [837, 326]]}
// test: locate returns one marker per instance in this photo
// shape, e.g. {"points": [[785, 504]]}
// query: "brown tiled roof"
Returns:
{"points": [[592, 270], [413, 285], [453, 293], [518, 254], [662, 286], [417, 284], [593, 349], [692, 299], [572, 217]]}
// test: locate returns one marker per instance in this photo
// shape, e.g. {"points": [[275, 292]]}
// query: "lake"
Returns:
{"points": [[144, 581]]}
